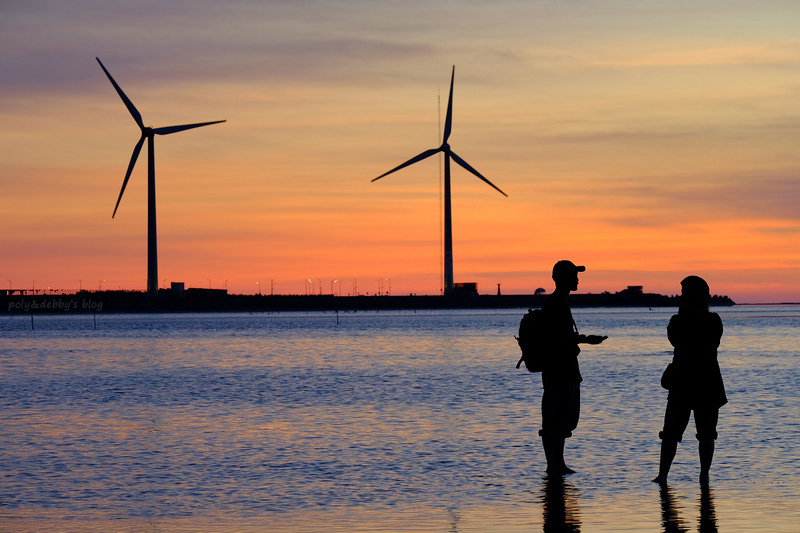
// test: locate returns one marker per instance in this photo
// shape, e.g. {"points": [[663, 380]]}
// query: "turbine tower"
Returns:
{"points": [[448, 154], [147, 133]]}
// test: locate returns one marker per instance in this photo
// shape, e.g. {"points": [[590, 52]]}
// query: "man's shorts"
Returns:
{"points": [[561, 408]]}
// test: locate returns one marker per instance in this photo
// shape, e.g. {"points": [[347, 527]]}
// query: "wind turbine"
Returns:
{"points": [[147, 133], [448, 154]]}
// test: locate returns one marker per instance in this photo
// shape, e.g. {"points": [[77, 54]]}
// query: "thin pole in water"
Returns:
{"points": [[32, 328]]}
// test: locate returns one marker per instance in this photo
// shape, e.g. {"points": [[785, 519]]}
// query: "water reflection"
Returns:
{"points": [[671, 519], [560, 505], [454, 519], [708, 517]]}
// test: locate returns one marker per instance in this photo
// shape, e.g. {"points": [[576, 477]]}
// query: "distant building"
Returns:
{"points": [[465, 289], [206, 293], [178, 286]]}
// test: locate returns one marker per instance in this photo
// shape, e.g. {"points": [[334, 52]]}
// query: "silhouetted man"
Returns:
{"points": [[561, 376]]}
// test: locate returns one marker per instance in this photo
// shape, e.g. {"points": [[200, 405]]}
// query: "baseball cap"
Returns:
{"points": [[564, 267]]}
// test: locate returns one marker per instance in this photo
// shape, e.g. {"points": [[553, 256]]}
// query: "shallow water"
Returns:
{"points": [[390, 421]]}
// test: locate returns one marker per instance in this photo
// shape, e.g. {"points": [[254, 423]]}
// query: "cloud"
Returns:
{"points": [[50, 47], [676, 201], [777, 53]]}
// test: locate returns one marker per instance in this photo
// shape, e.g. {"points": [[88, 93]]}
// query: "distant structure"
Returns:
{"points": [[448, 154], [465, 289], [147, 133], [498, 290], [209, 300]]}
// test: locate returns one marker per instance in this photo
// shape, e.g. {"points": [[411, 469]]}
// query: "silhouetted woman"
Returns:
{"points": [[693, 378]]}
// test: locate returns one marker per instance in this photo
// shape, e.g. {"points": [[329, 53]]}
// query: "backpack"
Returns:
{"points": [[531, 334]]}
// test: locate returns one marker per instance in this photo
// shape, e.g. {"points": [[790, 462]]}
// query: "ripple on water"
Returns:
{"points": [[390, 421]]}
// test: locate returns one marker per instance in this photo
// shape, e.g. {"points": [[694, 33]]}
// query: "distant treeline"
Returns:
{"points": [[210, 300]]}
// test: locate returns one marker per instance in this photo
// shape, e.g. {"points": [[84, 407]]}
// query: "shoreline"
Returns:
{"points": [[205, 300]]}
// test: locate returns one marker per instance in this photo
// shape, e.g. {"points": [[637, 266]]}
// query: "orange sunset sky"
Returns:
{"points": [[645, 140]]}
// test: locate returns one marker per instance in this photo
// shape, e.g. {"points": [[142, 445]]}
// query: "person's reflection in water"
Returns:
{"points": [[671, 519], [560, 506], [708, 516]]}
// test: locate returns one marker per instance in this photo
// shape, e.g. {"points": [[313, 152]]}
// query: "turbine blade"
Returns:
{"points": [[175, 129], [448, 121], [469, 168], [131, 108], [424, 155], [134, 157]]}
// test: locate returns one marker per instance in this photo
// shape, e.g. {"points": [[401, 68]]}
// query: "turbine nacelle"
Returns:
{"points": [[445, 147], [147, 131]]}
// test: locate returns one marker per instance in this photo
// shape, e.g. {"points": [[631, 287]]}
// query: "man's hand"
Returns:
{"points": [[594, 339]]}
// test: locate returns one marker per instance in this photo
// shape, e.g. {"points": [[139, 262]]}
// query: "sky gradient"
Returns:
{"points": [[645, 140]]}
